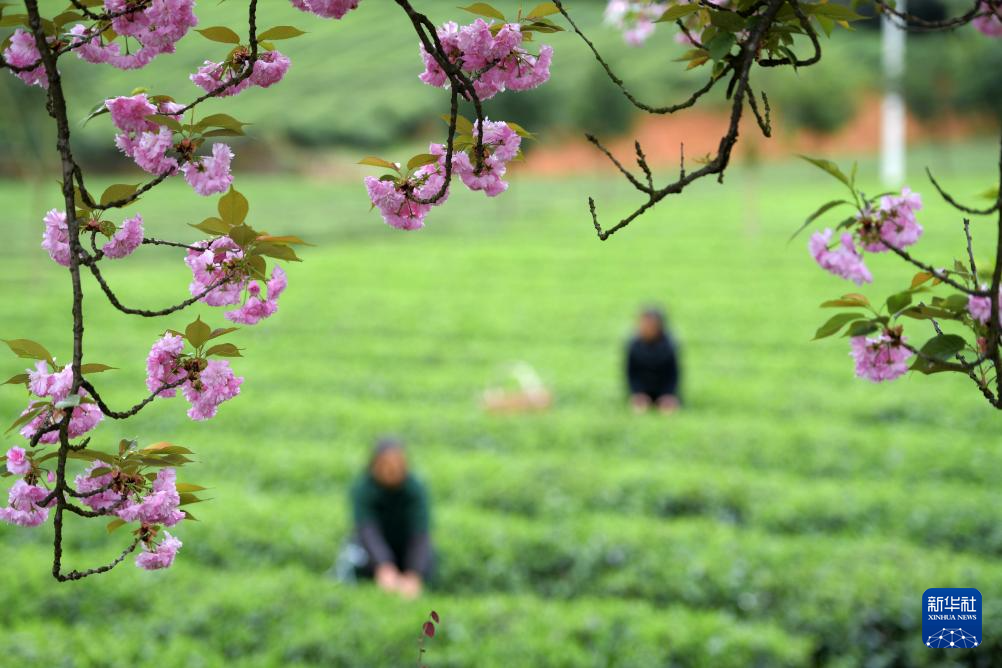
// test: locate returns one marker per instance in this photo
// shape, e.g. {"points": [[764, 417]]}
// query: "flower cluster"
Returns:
{"points": [[154, 557], [150, 145], [156, 26], [635, 19], [328, 9], [115, 492], [892, 223], [991, 23], [883, 357], [842, 260], [56, 238], [205, 383], [269, 68], [491, 56], [23, 52], [980, 308], [217, 275], [53, 388], [18, 462], [395, 196], [23, 507]]}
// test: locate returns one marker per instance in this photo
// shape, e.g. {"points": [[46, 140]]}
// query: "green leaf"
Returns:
{"points": [[943, 346], [677, 12], [117, 192], [721, 45], [220, 34], [824, 208], [851, 299], [280, 32], [114, 524], [729, 21], [166, 121], [223, 350], [94, 367], [188, 487], [928, 367], [242, 235], [835, 324], [920, 278], [520, 131], [28, 349], [277, 251], [899, 302], [233, 208], [197, 333], [421, 159], [541, 10], [378, 162], [221, 121], [222, 331], [187, 498], [26, 418], [483, 9], [861, 328], [829, 167], [19, 379], [213, 226]]}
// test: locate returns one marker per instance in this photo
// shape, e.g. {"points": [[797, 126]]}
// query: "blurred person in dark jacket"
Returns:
{"points": [[392, 521], [652, 365]]}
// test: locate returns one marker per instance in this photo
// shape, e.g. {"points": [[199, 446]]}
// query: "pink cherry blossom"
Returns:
{"points": [[83, 419], [162, 365], [149, 150], [18, 462], [844, 260], [892, 223], [328, 9], [211, 76], [156, 25], [493, 58], [23, 52], [501, 144], [269, 68], [23, 509], [159, 506], [256, 309], [126, 239], [991, 24], [216, 384], [160, 557], [55, 387], [209, 267], [129, 113], [56, 237], [210, 175], [92, 49], [880, 358], [89, 485], [44, 383]]}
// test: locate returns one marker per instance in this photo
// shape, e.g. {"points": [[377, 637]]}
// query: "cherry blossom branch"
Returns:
{"points": [[670, 109], [121, 415], [741, 65], [79, 575], [938, 274], [113, 298]]}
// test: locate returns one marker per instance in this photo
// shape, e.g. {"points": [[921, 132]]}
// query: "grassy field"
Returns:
{"points": [[791, 515]]}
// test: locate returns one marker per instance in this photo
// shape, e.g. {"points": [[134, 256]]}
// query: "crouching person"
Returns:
{"points": [[391, 542]]}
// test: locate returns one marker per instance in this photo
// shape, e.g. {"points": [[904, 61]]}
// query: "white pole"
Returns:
{"points": [[892, 144]]}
